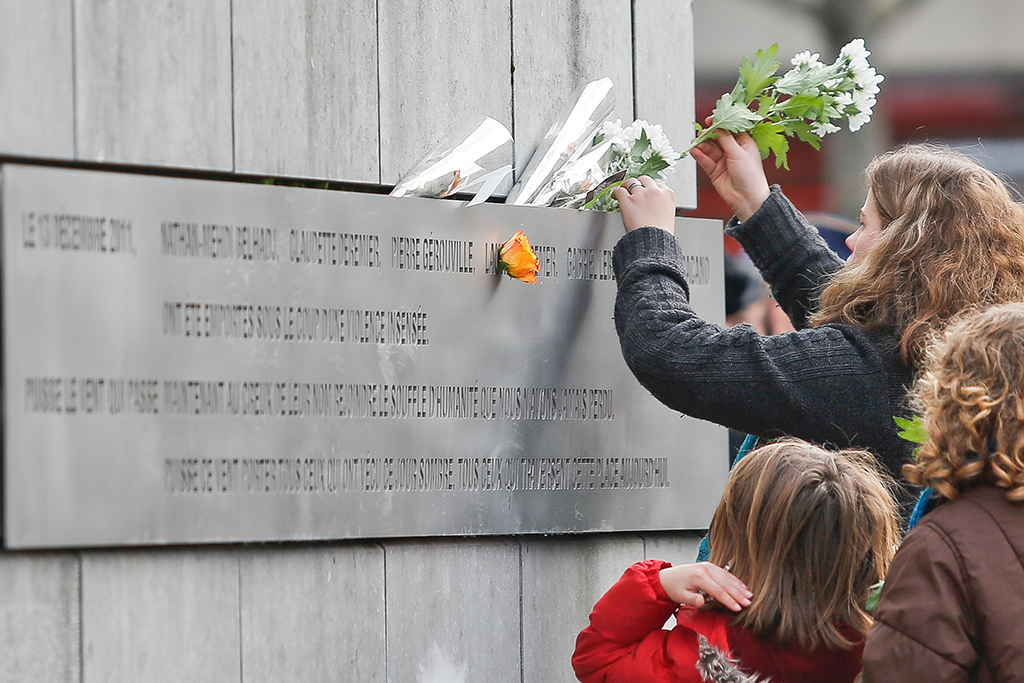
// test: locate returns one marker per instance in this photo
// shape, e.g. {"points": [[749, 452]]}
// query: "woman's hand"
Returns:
{"points": [[694, 584], [734, 165], [646, 202]]}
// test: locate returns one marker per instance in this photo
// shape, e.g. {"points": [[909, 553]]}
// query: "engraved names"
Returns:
{"points": [[190, 476]]}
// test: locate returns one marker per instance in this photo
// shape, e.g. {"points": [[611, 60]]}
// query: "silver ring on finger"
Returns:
{"points": [[629, 188]]}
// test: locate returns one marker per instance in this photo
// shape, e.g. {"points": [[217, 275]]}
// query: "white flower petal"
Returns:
{"points": [[824, 128], [859, 119], [804, 58], [853, 50]]}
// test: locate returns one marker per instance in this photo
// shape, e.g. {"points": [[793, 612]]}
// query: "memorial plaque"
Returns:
{"points": [[200, 361]]}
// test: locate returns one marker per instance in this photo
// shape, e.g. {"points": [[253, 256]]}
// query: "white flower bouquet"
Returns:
{"points": [[805, 102], [616, 152], [584, 155]]}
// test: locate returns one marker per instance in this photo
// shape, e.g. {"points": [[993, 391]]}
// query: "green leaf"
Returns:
{"points": [[757, 75], [802, 129], [764, 105], [769, 138], [652, 167], [874, 593], [697, 127], [913, 430], [799, 105], [739, 93], [641, 146], [733, 116], [810, 138]]}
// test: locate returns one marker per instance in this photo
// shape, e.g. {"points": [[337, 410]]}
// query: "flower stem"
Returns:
{"points": [[709, 133], [606, 191]]}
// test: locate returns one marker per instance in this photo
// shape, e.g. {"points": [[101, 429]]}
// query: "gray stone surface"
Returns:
{"points": [[677, 547], [36, 93], [562, 579], [154, 82], [160, 615], [39, 618], [453, 610], [440, 65], [664, 81], [313, 613], [305, 88], [558, 46]]}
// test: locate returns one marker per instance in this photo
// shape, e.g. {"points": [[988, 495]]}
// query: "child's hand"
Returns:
{"points": [[645, 202], [734, 165], [688, 584]]}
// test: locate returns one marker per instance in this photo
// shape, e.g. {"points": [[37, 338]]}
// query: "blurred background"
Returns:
{"points": [[954, 75]]}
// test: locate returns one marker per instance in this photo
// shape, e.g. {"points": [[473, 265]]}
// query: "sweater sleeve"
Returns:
{"points": [[792, 257], [625, 640], [829, 385], [923, 628]]}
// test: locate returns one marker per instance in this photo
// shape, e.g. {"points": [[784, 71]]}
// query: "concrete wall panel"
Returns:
{"points": [[39, 618], [36, 93], [154, 82], [562, 579], [453, 610], [556, 47], [677, 547], [440, 64], [313, 614], [160, 616], [664, 81], [305, 89]]}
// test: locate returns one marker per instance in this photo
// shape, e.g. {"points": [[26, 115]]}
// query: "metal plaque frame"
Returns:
{"points": [[199, 361]]}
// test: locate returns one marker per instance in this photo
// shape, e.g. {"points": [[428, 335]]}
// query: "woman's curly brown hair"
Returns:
{"points": [[972, 399], [952, 238]]}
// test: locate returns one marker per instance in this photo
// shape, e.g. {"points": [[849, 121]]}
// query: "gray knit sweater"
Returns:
{"points": [[834, 385]]}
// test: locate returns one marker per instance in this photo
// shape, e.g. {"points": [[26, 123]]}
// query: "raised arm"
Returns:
{"points": [[790, 254], [792, 257], [830, 385]]}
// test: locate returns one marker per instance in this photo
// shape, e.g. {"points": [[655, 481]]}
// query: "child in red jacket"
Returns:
{"points": [[808, 531]]}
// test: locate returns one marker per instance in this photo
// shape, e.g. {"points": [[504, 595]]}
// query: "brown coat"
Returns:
{"points": [[952, 608]]}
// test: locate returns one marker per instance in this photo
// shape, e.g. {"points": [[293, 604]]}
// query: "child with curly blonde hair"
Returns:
{"points": [[952, 605]]}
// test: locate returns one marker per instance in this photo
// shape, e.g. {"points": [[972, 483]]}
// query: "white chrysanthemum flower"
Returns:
{"points": [[867, 80], [859, 119], [852, 50], [805, 58], [612, 129], [844, 100], [858, 64], [823, 128], [863, 101], [661, 145]]}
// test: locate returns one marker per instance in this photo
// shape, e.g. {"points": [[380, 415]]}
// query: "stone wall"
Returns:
{"points": [[320, 89], [356, 91], [429, 611]]}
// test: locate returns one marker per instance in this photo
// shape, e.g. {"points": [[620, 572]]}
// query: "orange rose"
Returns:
{"points": [[518, 259]]}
